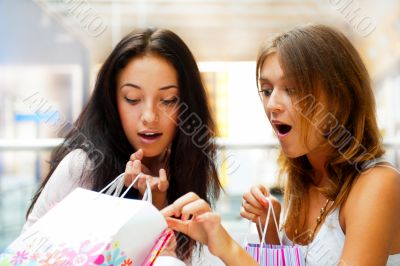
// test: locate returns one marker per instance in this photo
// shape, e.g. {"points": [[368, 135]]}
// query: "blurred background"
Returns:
{"points": [[51, 50]]}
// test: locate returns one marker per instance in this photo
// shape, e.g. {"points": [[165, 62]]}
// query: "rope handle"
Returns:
{"points": [[118, 183], [264, 231]]}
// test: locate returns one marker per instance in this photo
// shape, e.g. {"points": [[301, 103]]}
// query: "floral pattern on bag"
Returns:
{"points": [[87, 254]]}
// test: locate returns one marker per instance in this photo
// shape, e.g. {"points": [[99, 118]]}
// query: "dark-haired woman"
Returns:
{"points": [[148, 114]]}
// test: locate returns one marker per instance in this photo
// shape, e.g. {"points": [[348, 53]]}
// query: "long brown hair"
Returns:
{"points": [[325, 67]]}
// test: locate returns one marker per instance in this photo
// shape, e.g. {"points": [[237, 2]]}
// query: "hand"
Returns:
{"points": [[159, 185], [255, 206], [203, 226]]}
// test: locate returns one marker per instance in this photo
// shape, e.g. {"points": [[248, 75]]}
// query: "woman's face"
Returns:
{"points": [[147, 99], [277, 93]]}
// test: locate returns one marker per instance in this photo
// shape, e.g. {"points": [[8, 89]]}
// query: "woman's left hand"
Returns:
{"points": [[198, 222], [201, 224]]}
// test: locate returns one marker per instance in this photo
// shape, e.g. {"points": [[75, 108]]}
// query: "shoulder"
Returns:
{"points": [[375, 193], [75, 160], [76, 156], [72, 167], [378, 183], [370, 213]]}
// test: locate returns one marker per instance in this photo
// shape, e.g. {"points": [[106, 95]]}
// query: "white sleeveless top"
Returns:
{"points": [[327, 246]]}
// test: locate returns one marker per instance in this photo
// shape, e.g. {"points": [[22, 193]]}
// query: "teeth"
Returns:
{"points": [[149, 134]]}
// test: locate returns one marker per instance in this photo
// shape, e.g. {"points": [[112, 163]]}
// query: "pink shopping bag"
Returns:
{"points": [[274, 255]]}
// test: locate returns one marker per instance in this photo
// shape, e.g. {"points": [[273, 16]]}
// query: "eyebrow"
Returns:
{"points": [[139, 88], [264, 79]]}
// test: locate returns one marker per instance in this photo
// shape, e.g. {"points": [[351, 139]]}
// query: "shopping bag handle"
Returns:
{"points": [[118, 183], [264, 231]]}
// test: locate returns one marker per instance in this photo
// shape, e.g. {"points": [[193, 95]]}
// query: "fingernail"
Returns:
{"points": [[136, 163], [264, 201]]}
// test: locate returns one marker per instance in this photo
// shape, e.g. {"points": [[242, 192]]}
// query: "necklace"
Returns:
{"points": [[319, 219]]}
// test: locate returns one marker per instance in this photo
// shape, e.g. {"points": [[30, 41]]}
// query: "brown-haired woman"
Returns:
{"points": [[341, 197]]}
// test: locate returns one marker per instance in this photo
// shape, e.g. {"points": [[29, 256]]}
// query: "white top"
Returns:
{"points": [[168, 261], [327, 246], [65, 178]]}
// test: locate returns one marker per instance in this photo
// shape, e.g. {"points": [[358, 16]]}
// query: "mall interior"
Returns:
{"points": [[51, 51]]}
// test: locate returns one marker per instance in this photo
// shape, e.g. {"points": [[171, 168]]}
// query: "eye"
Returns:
{"points": [[266, 92], [290, 91], [131, 101], [170, 101]]}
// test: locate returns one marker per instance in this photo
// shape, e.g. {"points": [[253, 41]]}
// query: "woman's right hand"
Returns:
{"points": [[255, 206], [159, 185]]}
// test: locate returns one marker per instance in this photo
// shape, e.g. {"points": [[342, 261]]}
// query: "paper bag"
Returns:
{"points": [[91, 228]]}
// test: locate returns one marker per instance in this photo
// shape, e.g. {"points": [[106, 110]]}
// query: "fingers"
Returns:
{"points": [[249, 198], [251, 213], [248, 215], [190, 206], [141, 184], [195, 208], [256, 196], [250, 209], [138, 155], [202, 228], [260, 192], [254, 203], [209, 219], [133, 168], [178, 225], [163, 183], [175, 209], [156, 183]]}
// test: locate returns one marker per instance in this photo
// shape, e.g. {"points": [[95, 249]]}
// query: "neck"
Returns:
{"points": [[154, 164], [317, 159]]}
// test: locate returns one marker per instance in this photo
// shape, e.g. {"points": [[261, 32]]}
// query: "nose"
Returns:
{"points": [[149, 113], [274, 104]]}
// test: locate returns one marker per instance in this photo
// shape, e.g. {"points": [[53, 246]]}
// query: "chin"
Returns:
{"points": [[149, 153], [292, 154]]}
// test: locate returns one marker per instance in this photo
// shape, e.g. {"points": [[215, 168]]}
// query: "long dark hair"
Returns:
{"points": [[98, 130]]}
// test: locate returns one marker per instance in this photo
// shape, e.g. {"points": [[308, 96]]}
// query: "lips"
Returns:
{"points": [[149, 136], [281, 128]]}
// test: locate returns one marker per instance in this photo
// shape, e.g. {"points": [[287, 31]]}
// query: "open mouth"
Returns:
{"points": [[283, 129], [149, 135]]}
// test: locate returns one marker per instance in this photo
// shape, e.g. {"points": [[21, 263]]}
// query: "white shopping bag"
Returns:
{"points": [[91, 228]]}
